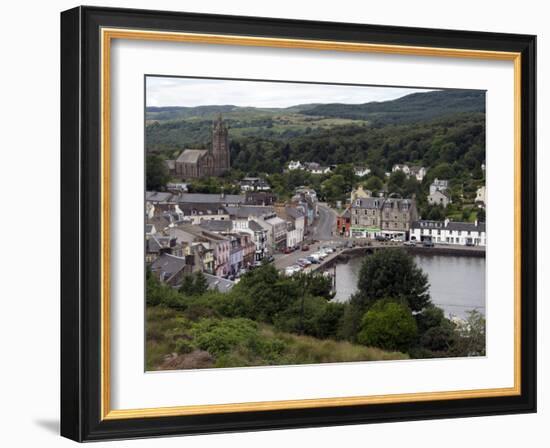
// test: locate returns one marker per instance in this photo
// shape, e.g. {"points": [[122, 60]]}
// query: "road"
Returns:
{"points": [[325, 226], [323, 231]]}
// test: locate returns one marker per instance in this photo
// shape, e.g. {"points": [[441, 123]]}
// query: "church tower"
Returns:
{"points": [[220, 146]]}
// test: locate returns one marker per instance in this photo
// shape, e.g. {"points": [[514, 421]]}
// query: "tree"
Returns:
{"points": [[187, 286], [396, 182], [201, 284], [481, 215], [194, 284], [392, 272], [471, 336], [156, 172], [388, 325], [334, 188], [374, 183]]}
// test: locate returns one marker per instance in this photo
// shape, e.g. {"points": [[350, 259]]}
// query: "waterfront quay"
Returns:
{"points": [[343, 253]]}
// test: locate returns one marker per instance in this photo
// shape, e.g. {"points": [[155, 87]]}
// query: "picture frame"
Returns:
{"points": [[86, 37]]}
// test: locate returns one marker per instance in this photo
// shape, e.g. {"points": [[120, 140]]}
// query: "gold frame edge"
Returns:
{"points": [[107, 35]]}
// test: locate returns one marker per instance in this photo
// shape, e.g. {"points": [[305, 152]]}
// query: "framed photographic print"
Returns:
{"points": [[277, 224]]}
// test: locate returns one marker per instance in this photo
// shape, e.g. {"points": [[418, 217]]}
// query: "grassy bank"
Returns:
{"points": [[176, 340]]}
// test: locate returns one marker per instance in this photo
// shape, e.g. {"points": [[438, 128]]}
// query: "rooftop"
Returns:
{"points": [[249, 210], [191, 155], [221, 284], [211, 198], [168, 265]]}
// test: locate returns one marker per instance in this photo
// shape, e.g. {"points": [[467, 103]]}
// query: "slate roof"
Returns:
{"points": [[191, 155], [346, 213], [275, 220], [169, 265], [370, 203], [221, 284], [160, 222], [294, 212], [253, 225], [451, 225], [159, 196], [211, 198], [249, 210], [216, 225]]}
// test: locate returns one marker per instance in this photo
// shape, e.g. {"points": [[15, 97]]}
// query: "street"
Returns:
{"points": [[325, 226], [323, 231]]}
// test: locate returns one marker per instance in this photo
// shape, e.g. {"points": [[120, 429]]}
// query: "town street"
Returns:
{"points": [[325, 226], [323, 232]]}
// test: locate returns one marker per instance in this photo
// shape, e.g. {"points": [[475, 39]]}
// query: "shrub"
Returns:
{"points": [[388, 325]]}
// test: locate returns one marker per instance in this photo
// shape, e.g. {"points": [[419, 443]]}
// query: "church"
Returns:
{"points": [[197, 163]]}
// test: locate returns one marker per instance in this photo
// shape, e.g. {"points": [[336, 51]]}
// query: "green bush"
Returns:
{"points": [[388, 325]]}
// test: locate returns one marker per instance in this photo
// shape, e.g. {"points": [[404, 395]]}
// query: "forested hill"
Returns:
{"points": [[408, 109], [421, 128]]}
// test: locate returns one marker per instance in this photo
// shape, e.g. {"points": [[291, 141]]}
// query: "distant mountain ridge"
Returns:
{"points": [[421, 106], [411, 108]]}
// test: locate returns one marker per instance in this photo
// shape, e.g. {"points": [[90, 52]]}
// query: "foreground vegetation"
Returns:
{"points": [[270, 319], [185, 340]]}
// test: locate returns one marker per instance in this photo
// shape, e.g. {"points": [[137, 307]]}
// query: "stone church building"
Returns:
{"points": [[196, 163]]}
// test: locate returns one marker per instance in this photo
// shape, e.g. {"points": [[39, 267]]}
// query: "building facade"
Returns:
{"points": [[389, 217], [197, 163], [449, 232]]}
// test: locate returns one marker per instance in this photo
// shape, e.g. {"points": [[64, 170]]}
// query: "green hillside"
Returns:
{"points": [[408, 109]]}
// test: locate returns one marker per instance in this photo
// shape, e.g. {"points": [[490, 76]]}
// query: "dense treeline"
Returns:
{"points": [[391, 311], [457, 139], [422, 106]]}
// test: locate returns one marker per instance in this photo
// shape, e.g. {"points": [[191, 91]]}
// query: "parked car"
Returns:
{"points": [[428, 243], [313, 260], [270, 258], [470, 243], [381, 238], [328, 250], [287, 250], [409, 243], [291, 270], [304, 260], [305, 247]]}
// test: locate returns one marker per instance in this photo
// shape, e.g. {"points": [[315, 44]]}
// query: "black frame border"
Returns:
{"points": [[81, 223]]}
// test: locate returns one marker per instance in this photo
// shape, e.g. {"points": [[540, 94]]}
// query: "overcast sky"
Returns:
{"points": [[201, 92]]}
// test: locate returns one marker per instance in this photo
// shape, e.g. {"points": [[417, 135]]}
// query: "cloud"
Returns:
{"points": [[190, 92]]}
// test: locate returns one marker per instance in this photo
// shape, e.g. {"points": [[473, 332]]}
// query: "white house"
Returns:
{"points": [[296, 226], [295, 165], [361, 171], [439, 185], [254, 184], [419, 172], [480, 194], [439, 197], [449, 232], [401, 167]]}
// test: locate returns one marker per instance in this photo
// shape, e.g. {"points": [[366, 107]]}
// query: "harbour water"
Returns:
{"points": [[457, 283]]}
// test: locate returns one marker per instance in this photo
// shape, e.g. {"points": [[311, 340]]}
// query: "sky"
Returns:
{"points": [[189, 92]]}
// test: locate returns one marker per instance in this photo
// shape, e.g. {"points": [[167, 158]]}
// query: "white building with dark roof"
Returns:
{"points": [[449, 232]]}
